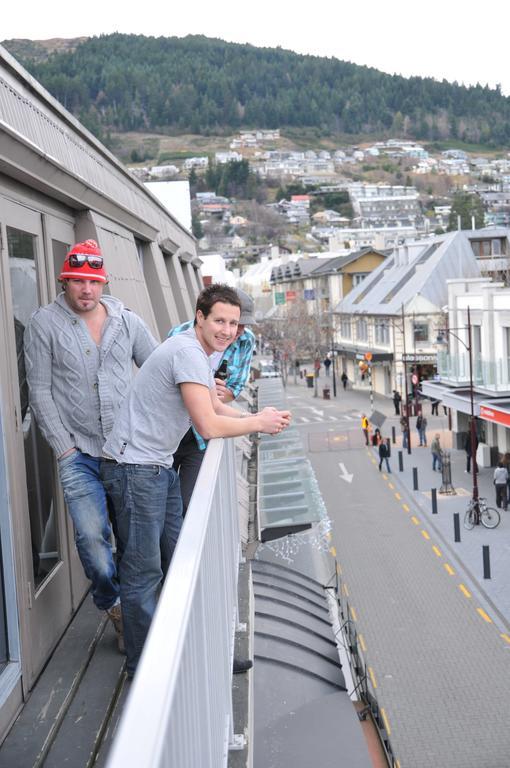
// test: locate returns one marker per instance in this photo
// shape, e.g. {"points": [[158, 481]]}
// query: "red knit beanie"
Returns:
{"points": [[85, 271]]}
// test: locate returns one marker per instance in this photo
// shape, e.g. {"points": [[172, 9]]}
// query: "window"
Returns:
{"points": [[345, 328], [361, 329], [421, 332], [506, 343], [382, 332], [358, 278], [477, 342], [22, 248]]}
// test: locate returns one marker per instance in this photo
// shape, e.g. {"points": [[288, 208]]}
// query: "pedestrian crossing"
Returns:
{"points": [[325, 418]]}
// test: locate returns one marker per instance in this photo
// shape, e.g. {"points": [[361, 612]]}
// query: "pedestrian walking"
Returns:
{"points": [[435, 449], [435, 406], [500, 482], [397, 399], [506, 463], [384, 454], [376, 437], [80, 351], [327, 365], [344, 379], [468, 450], [421, 426], [365, 426], [405, 432]]}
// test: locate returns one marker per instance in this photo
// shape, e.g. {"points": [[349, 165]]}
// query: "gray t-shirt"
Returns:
{"points": [[153, 418]]}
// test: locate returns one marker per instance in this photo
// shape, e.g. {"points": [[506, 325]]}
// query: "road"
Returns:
{"points": [[439, 664]]}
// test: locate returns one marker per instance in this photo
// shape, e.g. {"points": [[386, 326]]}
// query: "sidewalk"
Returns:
{"points": [[468, 552]]}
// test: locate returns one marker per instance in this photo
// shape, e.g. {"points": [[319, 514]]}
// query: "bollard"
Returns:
{"points": [[433, 492], [415, 478], [393, 436], [400, 461], [456, 527], [486, 562]]}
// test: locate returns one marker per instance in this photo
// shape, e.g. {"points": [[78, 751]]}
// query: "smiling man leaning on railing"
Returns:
{"points": [[175, 383]]}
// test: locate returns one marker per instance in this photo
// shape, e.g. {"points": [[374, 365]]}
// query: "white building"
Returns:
{"points": [[477, 310], [396, 311]]}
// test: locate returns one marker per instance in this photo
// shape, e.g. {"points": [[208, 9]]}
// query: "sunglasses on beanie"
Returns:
{"points": [[77, 260]]}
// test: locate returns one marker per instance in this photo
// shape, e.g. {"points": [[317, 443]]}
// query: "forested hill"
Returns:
{"points": [[201, 85]]}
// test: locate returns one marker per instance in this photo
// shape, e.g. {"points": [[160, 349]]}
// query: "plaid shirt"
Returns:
{"points": [[238, 356]]}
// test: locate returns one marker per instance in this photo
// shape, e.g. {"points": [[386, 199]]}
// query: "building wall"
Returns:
{"points": [[366, 263], [59, 185]]}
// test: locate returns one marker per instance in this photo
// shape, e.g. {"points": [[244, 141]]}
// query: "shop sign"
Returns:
{"points": [[411, 358], [279, 298], [290, 295], [492, 414], [309, 294]]}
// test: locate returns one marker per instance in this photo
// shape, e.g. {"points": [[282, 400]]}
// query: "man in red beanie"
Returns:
{"points": [[79, 353]]}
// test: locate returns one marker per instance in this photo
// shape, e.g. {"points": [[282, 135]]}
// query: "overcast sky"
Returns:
{"points": [[439, 39]]}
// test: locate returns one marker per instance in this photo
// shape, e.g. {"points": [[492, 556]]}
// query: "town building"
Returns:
{"points": [[477, 311], [321, 282], [395, 312]]}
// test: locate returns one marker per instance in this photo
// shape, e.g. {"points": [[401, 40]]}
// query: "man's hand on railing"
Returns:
{"points": [[273, 421]]}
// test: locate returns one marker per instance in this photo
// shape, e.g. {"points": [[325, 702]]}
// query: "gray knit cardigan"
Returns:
{"points": [[75, 386]]}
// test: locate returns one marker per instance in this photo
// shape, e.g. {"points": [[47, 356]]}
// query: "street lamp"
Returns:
{"points": [[441, 339], [404, 362]]}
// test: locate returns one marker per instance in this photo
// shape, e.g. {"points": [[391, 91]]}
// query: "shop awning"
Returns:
{"points": [[497, 411], [458, 398], [355, 353]]}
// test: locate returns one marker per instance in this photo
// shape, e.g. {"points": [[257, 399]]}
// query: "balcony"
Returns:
{"points": [[184, 708], [491, 376]]}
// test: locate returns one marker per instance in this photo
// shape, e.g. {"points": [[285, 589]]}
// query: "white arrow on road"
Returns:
{"points": [[345, 475]]}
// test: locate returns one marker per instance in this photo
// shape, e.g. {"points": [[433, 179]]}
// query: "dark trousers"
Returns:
{"points": [[501, 500], [468, 463], [187, 462]]}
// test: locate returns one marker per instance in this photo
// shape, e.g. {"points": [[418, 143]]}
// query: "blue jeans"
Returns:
{"points": [[436, 459], [87, 504], [148, 508], [423, 436]]}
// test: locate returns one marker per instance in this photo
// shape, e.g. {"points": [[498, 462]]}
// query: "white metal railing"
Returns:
{"points": [[487, 374], [179, 711]]}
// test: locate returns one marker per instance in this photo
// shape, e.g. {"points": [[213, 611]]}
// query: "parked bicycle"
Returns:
{"points": [[479, 512]]}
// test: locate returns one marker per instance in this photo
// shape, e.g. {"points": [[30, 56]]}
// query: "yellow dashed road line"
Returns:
{"points": [[464, 591], [353, 614], [362, 643], [484, 615], [405, 508], [386, 722], [346, 591], [449, 569], [390, 485], [506, 638], [425, 535], [437, 551], [415, 520], [372, 677], [333, 551], [398, 496]]}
